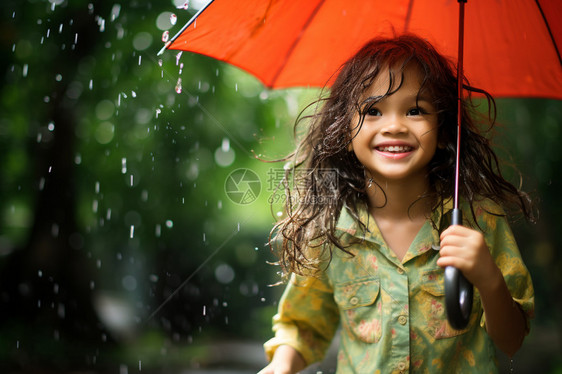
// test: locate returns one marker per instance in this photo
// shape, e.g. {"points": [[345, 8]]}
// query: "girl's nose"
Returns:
{"points": [[394, 125]]}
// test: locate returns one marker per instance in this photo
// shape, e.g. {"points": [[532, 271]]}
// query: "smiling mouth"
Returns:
{"points": [[395, 149]]}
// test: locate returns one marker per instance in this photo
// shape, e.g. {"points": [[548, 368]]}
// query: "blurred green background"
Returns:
{"points": [[123, 246]]}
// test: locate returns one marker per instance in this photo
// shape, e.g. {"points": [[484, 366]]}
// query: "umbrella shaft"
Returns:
{"points": [[459, 100]]}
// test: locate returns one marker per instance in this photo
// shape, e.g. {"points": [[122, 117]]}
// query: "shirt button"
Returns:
{"points": [[401, 366], [354, 300], [402, 320], [400, 270]]}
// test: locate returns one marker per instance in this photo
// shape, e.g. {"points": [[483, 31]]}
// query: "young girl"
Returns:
{"points": [[366, 233]]}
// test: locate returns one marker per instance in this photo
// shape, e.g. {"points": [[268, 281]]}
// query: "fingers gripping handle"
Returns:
{"points": [[458, 290]]}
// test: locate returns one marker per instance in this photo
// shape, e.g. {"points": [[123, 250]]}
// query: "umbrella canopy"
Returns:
{"points": [[512, 48]]}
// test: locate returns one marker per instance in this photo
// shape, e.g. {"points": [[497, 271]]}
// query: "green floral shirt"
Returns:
{"points": [[392, 313]]}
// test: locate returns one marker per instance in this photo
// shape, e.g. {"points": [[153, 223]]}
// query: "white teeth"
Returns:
{"points": [[396, 148]]}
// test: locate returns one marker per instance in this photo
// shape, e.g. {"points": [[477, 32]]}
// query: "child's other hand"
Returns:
{"points": [[286, 360], [465, 249]]}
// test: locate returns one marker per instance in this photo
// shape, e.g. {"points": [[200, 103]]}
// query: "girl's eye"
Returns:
{"points": [[416, 112], [373, 112]]}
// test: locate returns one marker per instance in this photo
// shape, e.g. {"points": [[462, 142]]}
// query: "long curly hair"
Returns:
{"points": [[323, 174]]}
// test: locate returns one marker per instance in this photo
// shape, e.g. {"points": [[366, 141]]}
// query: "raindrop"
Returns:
{"points": [[158, 111], [78, 159], [140, 365], [178, 86], [153, 278], [158, 231], [173, 19], [55, 230], [225, 146], [41, 184], [204, 310], [58, 77], [60, 28], [224, 273], [133, 93], [169, 223], [140, 59], [97, 188], [101, 23], [91, 84], [132, 231], [185, 6], [123, 369], [61, 311], [123, 165], [115, 12], [51, 126], [48, 33], [76, 38], [178, 56], [129, 283], [95, 206], [204, 237], [131, 180], [108, 214], [165, 36], [24, 70], [40, 273], [98, 264]]}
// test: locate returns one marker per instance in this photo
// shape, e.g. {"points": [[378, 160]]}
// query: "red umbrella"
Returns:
{"points": [[512, 49]]}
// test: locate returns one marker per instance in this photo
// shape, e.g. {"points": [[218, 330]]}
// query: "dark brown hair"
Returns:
{"points": [[330, 177]]}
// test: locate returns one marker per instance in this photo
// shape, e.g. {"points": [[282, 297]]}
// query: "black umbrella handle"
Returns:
{"points": [[458, 290]]}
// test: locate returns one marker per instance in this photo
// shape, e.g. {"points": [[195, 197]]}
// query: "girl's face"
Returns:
{"points": [[398, 137]]}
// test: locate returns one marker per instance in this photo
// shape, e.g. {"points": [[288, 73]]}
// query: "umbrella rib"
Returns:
{"points": [[295, 42], [408, 16], [192, 19], [549, 31]]}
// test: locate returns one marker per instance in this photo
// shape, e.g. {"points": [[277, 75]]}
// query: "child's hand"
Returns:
{"points": [[286, 360], [465, 249]]}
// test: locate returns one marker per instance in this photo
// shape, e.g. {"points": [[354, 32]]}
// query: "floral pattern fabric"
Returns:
{"points": [[392, 313]]}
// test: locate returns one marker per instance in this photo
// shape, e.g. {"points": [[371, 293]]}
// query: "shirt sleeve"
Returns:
{"points": [[307, 318], [505, 251]]}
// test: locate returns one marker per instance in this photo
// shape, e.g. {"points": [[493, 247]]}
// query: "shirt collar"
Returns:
{"points": [[370, 232]]}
